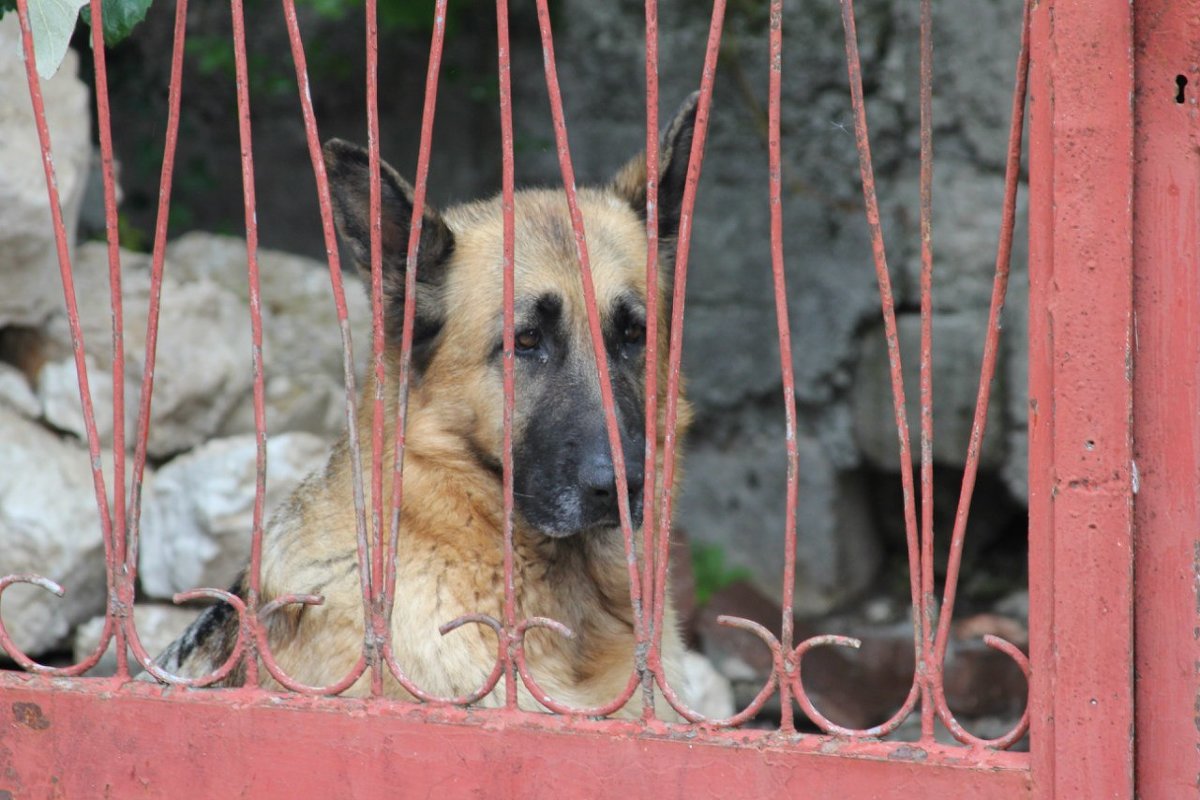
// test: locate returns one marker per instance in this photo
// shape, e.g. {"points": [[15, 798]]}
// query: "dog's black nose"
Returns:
{"points": [[597, 480], [598, 483]]}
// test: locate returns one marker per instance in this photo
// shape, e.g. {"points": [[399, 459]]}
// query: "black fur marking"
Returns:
{"points": [[675, 153], [338, 559], [348, 167], [211, 623]]}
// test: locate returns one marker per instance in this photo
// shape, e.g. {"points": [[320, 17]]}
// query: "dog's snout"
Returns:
{"points": [[597, 479]]}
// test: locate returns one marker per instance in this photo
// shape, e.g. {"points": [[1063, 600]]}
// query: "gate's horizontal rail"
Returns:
{"points": [[134, 742]]}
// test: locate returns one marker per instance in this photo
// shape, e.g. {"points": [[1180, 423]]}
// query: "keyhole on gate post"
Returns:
{"points": [[1181, 84]]}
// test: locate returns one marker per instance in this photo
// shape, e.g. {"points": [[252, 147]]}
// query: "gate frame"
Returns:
{"points": [[1081, 398], [1166, 396], [1113, 284]]}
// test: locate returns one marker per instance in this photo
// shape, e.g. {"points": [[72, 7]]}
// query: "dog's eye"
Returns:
{"points": [[635, 333], [528, 339]]}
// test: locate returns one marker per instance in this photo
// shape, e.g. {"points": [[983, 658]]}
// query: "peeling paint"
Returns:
{"points": [[908, 753], [30, 715]]}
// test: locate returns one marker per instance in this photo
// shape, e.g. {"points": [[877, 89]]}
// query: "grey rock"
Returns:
{"points": [[1014, 339], [735, 498], [197, 515], [967, 204], [1015, 605], [957, 355], [28, 255], [203, 376]]}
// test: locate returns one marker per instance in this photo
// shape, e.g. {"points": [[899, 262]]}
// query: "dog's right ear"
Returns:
{"points": [[674, 155], [348, 169]]}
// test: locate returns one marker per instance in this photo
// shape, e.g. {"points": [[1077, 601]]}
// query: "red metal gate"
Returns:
{"points": [[1114, 483]]}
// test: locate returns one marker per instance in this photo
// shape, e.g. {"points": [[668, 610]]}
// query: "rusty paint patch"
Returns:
{"points": [[1196, 703], [908, 753], [30, 715], [1196, 571]]}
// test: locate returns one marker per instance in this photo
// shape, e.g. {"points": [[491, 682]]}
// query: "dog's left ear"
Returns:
{"points": [[673, 154], [348, 168]]}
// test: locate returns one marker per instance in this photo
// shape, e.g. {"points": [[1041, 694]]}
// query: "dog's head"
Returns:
{"points": [[563, 469]]}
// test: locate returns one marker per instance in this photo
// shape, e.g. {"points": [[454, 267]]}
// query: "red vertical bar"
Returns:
{"points": [[593, 314], [775, 180], [420, 188], [351, 405], [377, 344], [650, 495], [1081, 308], [256, 350], [506, 146], [926, 609], [120, 584], [1166, 296]]}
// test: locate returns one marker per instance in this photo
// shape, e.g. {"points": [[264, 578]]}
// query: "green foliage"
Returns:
{"points": [[132, 237], [394, 15], [711, 572], [213, 55], [53, 21], [120, 17]]}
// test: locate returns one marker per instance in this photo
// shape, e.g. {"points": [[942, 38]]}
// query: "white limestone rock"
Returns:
{"points": [[16, 394], [58, 397], [28, 256], [202, 369], [49, 525], [197, 516], [302, 345]]}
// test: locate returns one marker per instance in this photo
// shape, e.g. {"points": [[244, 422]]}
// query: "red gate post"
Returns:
{"points": [[1081, 399], [1166, 427]]}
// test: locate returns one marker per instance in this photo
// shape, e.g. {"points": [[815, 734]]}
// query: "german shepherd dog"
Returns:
{"points": [[569, 554]]}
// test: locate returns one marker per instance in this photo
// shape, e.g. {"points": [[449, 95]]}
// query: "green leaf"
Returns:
{"points": [[120, 17], [710, 571], [51, 22]]}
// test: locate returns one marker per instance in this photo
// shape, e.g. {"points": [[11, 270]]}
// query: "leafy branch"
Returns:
{"points": [[53, 21]]}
